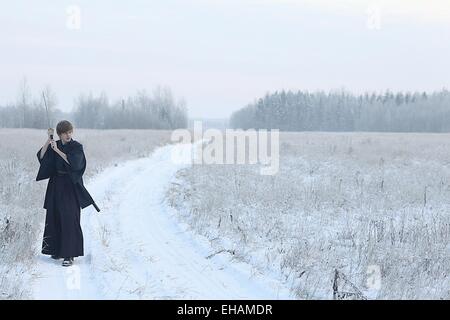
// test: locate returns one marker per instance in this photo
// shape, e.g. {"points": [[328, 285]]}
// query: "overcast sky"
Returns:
{"points": [[220, 55]]}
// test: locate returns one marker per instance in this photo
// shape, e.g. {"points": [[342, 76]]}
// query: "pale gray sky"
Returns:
{"points": [[220, 55]]}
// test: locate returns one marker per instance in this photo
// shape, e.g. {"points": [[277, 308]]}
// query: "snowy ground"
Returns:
{"points": [[136, 248], [373, 206], [21, 197]]}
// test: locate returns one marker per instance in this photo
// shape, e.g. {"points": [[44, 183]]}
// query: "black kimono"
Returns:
{"points": [[64, 197]]}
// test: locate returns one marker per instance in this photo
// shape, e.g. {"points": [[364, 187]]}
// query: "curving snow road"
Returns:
{"points": [[136, 248]]}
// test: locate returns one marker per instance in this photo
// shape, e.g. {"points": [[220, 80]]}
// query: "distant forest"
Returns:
{"points": [[158, 110], [283, 110], [344, 111]]}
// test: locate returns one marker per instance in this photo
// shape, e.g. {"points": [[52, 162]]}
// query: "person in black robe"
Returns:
{"points": [[63, 164]]}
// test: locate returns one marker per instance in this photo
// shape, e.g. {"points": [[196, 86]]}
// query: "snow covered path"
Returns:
{"points": [[136, 248]]}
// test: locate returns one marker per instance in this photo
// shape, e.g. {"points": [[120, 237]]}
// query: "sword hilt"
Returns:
{"points": [[50, 132]]}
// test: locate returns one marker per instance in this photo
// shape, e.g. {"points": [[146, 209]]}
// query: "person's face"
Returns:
{"points": [[66, 136]]}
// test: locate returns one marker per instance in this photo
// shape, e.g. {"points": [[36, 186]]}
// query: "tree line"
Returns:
{"points": [[344, 111], [158, 110]]}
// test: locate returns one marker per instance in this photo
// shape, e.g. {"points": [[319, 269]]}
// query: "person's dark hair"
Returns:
{"points": [[63, 127]]}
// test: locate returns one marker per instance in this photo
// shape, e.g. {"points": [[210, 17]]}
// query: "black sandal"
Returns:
{"points": [[67, 262]]}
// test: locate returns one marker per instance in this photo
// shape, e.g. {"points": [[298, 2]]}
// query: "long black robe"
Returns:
{"points": [[64, 197]]}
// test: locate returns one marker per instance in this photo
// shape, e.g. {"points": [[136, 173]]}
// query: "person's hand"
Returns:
{"points": [[53, 145]]}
